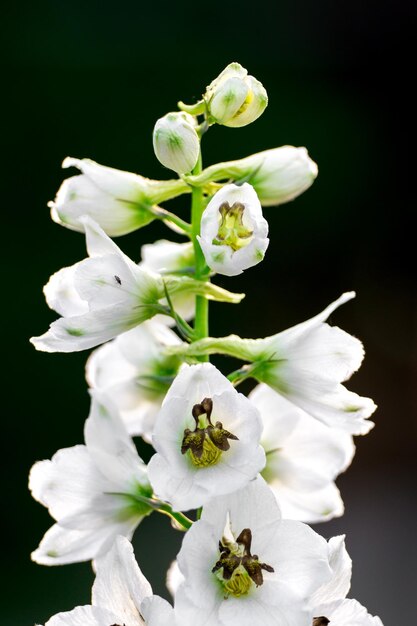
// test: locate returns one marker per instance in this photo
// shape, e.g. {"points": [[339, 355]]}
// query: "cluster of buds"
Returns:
{"points": [[256, 468]]}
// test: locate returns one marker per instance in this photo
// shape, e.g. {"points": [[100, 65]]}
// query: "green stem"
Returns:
{"points": [[183, 522], [201, 309], [167, 216]]}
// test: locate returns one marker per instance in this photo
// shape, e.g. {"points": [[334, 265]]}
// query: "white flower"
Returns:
{"points": [[169, 257], [93, 491], [233, 233], [207, 439], [118, 201], [234, 98], [303, 458], [107, 294], [135, 372], [329, 603], [121, 595], [277, 175], [176, 143], [307, 364], [243, 565]]}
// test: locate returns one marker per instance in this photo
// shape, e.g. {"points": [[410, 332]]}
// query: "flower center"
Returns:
{"points": [[320, 621], [232, 231], [211, 454], [240, 569], [206, 442]]}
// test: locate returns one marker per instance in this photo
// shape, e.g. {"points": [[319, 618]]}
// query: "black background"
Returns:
{"points": [[89, 79]]}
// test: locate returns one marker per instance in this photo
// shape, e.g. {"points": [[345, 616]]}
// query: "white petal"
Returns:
{"points": [[120, 586], [311, 507], [110, 446], [174, 578], [351, 613], [80, 332], [168, 257], [157, 612], [62, 545], [118, 183], [300, 556], [61, 294], [83, 616], [330, 595], [268, 605], [68, 483]]}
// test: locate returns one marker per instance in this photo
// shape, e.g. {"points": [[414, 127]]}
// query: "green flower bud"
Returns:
{"points": [[234, 98], [176, 143]]}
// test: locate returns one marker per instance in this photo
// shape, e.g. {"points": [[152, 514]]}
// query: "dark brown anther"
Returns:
{"points": [[118, 280], [219, 436], [320, 621], [207, 405], [229, 563], [254, 568], [198, 410], [194, 441], [245, 538]]}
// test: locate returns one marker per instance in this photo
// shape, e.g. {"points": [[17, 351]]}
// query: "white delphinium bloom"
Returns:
{"points": [[169, 257], [175, 141], [233, 232], [243, 564], [121, 595], [135, 372], [277, 175], [234, 98], [93, 491], [207, 439], [118, 201], [303, 458], [307, 364], [329, 602], [107, 294]]}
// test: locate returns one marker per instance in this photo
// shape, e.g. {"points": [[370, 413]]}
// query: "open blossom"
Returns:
{"points": [[107, 294], [118, 201], [207, 439], [169, 257], [242, 564], [234, 98], [93, 491], [135, 372], [121, 595], [233, 232], [278, 175], [303, 458], [306, 364]]}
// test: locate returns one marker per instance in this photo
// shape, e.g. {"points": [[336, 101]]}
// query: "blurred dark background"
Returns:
{"points": [[89, 79]]}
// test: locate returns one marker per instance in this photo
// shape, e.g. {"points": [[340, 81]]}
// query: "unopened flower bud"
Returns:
{"points": [[234, 98], [277, 175], [233, 234], [176, 143]]}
